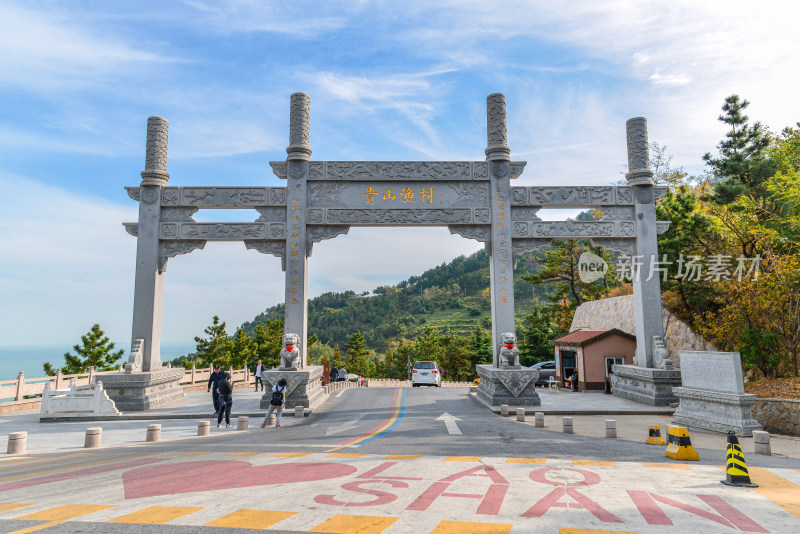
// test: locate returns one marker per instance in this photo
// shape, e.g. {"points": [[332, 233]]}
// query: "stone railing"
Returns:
{"points": [[18, 389], [778, 416]]}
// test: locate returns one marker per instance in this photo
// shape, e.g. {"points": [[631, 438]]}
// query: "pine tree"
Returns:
{"points": [[269, 340], [538, 330], [337, 357], [217, 348], [95, 350], [743, 165], [243, 350], [358, 361]]}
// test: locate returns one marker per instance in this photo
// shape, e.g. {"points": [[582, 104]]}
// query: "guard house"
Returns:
{"points": [[592, 353]]}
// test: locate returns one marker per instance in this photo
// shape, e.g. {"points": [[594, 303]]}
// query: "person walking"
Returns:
{"points": [[225, 390], [342, 374], [213, 382], [334, 373], [276, 403], [259, 370]]}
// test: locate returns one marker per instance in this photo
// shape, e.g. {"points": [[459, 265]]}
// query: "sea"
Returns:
{"points": [[29, 359]]}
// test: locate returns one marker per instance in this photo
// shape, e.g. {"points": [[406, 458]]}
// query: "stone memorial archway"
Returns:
{"points": [[324, 199]]}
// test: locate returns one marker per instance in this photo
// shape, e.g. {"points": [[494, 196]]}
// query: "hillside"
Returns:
{"points": [[453, 295]]}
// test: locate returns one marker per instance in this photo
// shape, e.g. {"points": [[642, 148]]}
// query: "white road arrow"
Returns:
{"points": [[450, 423], [342, 427]]}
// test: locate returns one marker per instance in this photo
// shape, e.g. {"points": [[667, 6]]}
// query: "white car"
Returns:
{"points": [[426, 374]]}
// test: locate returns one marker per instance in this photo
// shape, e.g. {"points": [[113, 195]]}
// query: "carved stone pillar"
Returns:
{"points": [[501, 268], [297, 245], [149, 288], [644, 382], [646, 280]]}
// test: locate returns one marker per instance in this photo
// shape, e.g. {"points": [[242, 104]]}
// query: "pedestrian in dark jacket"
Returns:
{"points": [[225, 390], [213, 381], [334, 373]]}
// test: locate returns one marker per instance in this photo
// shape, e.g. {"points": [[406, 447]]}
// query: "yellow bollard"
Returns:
{"points": [[680, 445], [654, 438]]}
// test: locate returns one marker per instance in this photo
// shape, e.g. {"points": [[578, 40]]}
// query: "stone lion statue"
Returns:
{"points": [[290, 353], [509, 353]]}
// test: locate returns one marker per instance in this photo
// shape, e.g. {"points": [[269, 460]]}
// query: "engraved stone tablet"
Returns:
{"points": [[715, 371]]}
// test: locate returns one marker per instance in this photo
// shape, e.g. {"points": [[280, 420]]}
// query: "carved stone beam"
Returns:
{"points": [[404, 171], [223, 197], [221, 231], [577, 196]]}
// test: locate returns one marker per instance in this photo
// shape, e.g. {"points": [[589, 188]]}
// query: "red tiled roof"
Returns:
{"points": [[582, 337]]}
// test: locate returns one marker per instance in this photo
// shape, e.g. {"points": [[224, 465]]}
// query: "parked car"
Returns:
{"points": [[426, 374], [546, 370]]}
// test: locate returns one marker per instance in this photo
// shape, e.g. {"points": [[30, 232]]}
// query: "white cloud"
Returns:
{"points": [[50, 52]]}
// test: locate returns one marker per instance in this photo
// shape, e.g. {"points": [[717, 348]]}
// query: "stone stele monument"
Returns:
{"points": [[323, 199]]}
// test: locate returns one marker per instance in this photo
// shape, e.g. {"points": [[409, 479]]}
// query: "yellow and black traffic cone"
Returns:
{"points": [[655, 436], [680, 445], [735, 467]]}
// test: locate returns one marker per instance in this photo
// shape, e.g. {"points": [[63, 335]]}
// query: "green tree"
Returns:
{"points": [[762, 350], [560, 270], [217, 348], [691, 233], [243, 350], [480, 349], [358, 361], [743, 164], [95, 350], [269, 340], [539, 329], [337, 357]]}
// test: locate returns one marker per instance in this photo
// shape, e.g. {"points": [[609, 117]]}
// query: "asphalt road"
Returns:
{"points": [[406, 438], [351, 413]]}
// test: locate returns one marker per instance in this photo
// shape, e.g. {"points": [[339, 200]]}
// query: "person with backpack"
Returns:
{"points": [[225, 393], [276, 403], [213, 383]]}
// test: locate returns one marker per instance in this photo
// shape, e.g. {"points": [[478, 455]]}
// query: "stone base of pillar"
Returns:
{"points": [[514, 387], [303, 387], [137, 392], [646, 385], [716, 411]]}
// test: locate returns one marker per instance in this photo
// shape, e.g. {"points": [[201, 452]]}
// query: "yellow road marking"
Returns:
{"points": [[346, 455], [255, 519], [653, 465], [11, 506], [243, 454], [65, 512], [397, 403], [777, 489], [37, 527], [41, 463], [596, 463], [459, 527], [292, 454], [350, 524], [563, 530], [526, 461], [403, 457], [71, 467], [462, 459], [155, 515]]}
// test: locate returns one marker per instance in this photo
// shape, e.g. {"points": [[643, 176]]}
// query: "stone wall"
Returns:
{"points": [[617, 312], [778, 416]]}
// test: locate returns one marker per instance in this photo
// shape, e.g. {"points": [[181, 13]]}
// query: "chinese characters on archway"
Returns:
{"points": [[408, 194]]}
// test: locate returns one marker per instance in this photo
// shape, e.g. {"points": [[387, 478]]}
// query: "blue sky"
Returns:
{"points": [[387, 80]]}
